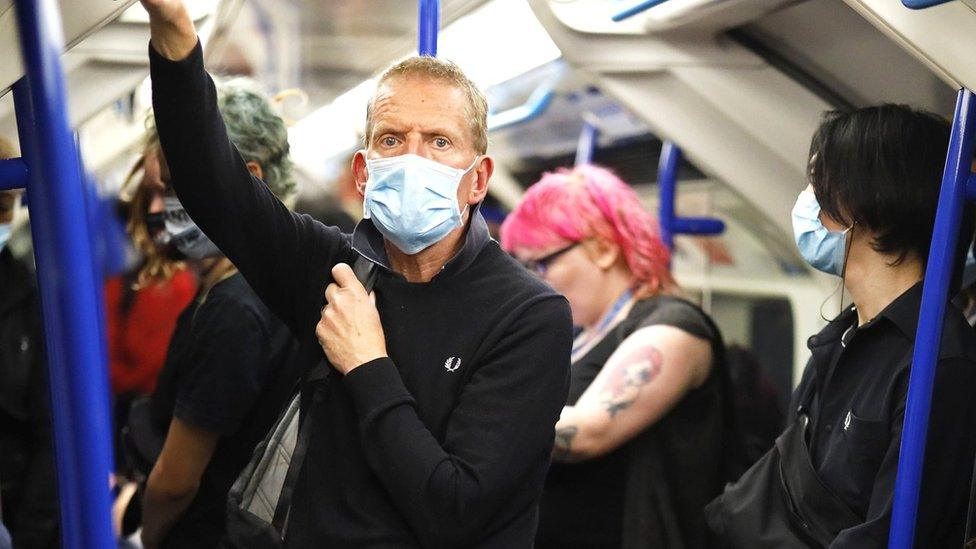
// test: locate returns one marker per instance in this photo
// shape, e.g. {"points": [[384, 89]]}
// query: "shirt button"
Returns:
{"points": [[829, 428]]}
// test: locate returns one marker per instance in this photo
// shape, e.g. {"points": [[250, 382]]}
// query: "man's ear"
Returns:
{"points": [[482, 173], [255, 170], [359, 171]]}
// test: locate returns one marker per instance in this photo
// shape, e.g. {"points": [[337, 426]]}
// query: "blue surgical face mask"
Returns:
{"points": [[823, 249], [184, 233], [6, 229], [412, 200]]}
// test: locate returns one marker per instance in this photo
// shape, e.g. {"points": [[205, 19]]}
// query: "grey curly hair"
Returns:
{"points": [[254, 128], [258, 133]]}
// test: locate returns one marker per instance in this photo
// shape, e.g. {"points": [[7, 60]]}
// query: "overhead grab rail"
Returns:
{"points": [[957, 185], [428, 19], [671, 224], [633, 10], [534, 106], [922, 4], [50, 171]]}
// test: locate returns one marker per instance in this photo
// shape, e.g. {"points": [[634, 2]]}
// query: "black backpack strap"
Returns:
{"points": [[366, 272]]}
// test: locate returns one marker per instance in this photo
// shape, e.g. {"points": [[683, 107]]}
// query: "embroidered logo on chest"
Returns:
{"points": [[847, 421], [452, 364]]}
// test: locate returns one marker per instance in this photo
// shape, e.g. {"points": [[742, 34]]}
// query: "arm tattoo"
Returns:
{"points": [[562, 450], [628, 376]]}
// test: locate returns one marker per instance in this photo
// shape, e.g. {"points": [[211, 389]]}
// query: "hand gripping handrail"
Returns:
{"points": [[956, 186], [428, 23], [68, 286], [670, 223]]}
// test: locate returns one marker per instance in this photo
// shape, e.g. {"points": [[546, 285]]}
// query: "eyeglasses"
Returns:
{"points": [[539, 266]]}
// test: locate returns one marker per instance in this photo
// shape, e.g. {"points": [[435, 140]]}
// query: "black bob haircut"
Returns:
{"points": [[881, 168]]}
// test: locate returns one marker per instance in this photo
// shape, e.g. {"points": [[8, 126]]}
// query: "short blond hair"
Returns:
{"points": [[446, 71]]}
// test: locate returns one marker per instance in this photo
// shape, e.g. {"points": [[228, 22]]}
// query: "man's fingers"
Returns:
{"points": [[345, 278], [330, 292]]}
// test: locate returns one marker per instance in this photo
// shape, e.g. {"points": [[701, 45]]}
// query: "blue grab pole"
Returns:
{"points": [[13, 174], [668, 182], [429, 18], [68, 286], [635, 9], [587, 143], [935, 290]]}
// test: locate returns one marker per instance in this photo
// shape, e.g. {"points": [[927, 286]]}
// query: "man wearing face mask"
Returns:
{"points": [[231, 363], [867, 217], [434, 425]]}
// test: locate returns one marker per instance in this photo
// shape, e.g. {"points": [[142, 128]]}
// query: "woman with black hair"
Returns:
{"points": [[866, 217]]}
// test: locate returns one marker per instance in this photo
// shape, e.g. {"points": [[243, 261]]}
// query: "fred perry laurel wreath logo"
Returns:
{"points": [[452, 364]]}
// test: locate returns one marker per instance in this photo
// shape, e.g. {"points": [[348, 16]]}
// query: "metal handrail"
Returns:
{"points": [[13, 174], [922, 4], [69, 289], [533, 107], [428, 23], [639, 7], [935, 293], [671, 224], [586, 145]]}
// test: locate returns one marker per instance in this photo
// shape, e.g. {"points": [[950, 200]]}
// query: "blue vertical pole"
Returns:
{"points": [[667, 178], [587, 143], [62, 247], [935, 294], [428, 23]]}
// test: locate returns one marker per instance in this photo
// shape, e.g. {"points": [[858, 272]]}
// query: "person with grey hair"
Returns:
{"points": [[432, 402], [231, 363]]}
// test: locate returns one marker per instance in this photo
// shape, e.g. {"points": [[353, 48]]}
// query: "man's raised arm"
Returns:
{"points": [[273, 248]]}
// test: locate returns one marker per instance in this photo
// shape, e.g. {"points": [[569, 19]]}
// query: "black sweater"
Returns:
{"points": [[446, 443]]}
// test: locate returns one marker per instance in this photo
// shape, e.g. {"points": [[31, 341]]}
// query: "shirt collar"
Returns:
{"points": [[904, 310], [902, 313], [368, 242]]}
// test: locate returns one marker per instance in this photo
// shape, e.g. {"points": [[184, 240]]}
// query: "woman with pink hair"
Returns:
{"points": [[641, 444]]}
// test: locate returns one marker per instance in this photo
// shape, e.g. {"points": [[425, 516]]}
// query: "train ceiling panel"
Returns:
{"points": [[80, 18]]}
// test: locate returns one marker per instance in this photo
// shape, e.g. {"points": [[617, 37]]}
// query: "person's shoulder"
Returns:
{"points": [[508, 271], [958, 338], [674, 311]]}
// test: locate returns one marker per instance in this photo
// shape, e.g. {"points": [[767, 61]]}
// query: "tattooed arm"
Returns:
{"points": [[641, 382]]}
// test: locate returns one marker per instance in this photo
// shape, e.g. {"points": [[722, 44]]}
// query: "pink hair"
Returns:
{"points": [[589, 201]]}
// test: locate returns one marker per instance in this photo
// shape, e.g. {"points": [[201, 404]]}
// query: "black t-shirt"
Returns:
{"points": [[583, 504], [230, 367], [859, 377]]}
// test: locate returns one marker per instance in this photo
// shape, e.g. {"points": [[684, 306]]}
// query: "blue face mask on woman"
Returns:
{"points": [[412, 200], [823, 249]]}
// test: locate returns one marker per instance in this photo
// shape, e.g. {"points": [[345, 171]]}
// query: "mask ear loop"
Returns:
{"points": [[843, 277]]}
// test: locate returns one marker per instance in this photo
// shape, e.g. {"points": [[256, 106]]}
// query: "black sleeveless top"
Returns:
{"points": [[650, 492]]}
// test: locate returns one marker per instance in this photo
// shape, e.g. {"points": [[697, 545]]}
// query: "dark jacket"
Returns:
{"points": [[28, 493]]}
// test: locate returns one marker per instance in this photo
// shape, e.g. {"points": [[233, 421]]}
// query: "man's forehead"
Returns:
{"points": [[416, 101]]}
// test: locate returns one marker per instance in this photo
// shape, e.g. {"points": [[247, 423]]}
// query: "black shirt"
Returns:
{"points": [[446, 443], [585, 504], [230, 367], [859, 382]]}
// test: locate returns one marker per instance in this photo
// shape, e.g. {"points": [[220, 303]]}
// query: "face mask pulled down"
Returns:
{"points": [[412, 200], [184, 233], [822, 248]]}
